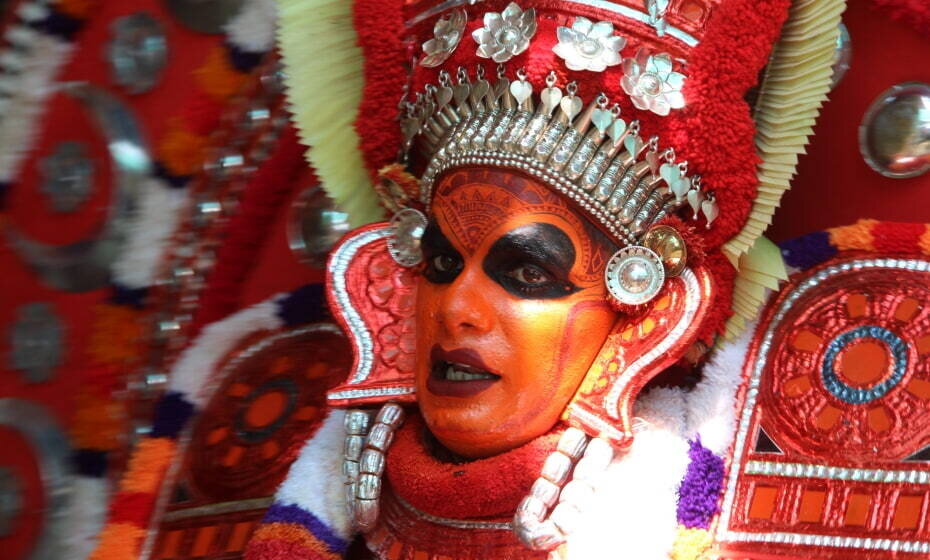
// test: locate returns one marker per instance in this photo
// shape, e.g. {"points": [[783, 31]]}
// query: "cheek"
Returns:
{"points": [[553, 343]]}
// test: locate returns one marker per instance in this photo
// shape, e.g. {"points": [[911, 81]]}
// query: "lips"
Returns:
{"points": [[458, 373]]}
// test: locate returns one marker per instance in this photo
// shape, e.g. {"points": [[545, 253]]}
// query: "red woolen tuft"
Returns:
{"points": [[915, 13], [380, 28], [715, 132], [724, 276], [898, 238]]}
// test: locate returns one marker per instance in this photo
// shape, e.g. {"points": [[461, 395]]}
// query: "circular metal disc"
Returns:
{"points": [[894, 136], [315, 225], [206, 16]]}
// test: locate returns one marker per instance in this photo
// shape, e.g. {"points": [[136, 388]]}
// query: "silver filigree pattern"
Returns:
{"points": [[447, 34], [68, 176], [634, 275], [652, 84], [589, 46], [505, 34]]}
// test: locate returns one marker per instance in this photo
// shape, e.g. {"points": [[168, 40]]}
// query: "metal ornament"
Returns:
{"points": [[652, 84], [842, 55], [407, 227], [589, 46], [447, 34], [68, 176], [85, 265], [894, 137], [666, 242], [315, 225], [656, 11], [634, 275], [505, 34], [205, 16], [49, 449], [138, 52], [36, 342]]}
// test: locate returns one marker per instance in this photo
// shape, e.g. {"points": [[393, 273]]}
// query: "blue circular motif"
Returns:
{"points": [[857, 395]]}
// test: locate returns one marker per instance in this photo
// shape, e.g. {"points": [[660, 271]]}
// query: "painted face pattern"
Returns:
{"points": [[511, 310]]}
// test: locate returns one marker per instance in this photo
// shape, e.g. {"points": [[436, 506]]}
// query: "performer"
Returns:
{"points": [[575, 183]]}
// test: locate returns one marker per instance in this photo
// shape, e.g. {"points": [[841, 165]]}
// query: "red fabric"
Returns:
{"points": [[714, 132], [897, 238], [132, 507], [722, 309], [245, 234], [380, 24], [834, 185], [915, 13], [491, 487]]}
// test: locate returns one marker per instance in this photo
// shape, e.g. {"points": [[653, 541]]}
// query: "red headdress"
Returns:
{"points": [[640, 113]]}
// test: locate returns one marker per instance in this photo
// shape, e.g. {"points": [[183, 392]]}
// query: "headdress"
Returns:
{"points": [[645, 116], [638, 112]]}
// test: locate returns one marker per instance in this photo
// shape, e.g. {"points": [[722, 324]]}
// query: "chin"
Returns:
{"points": [[463, 432]]}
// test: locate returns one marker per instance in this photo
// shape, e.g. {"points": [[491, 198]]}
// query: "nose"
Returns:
{"points": [[464, 308]]}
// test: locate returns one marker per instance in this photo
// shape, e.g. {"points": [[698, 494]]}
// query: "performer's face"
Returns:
{"points": [[511, 310]]}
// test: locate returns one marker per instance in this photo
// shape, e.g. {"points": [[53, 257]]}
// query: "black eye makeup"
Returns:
{"points": [[533, 262], [441, 262]]}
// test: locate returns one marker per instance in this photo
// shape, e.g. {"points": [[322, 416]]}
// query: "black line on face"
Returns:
{"points": [[533, 261]]}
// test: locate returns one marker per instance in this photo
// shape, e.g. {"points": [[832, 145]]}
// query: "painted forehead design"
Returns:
{"points": [[472, 202]]}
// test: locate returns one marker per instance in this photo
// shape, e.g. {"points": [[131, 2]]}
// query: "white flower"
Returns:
{"points": [[447, 33], [651, 83], [589, 46], [506, 34]]}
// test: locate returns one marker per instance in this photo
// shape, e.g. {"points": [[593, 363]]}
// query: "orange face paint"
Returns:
{"points": [[511, 310]]}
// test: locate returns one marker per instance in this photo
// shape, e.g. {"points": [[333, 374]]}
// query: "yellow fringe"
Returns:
{"points": [[761, 269], [324, 68], [796, 85]]}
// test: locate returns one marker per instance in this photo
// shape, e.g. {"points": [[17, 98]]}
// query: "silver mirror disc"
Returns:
{"points": [[894, 136], [315, 225]]}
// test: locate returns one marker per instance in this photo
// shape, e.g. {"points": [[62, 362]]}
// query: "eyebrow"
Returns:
{"points": [[544, 243], [435, 239]]}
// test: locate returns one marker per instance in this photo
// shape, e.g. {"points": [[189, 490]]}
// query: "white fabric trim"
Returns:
{"points": [[314, 482], [198, 362]]}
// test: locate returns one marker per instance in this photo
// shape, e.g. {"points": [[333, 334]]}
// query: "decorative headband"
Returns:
{"points": [[590, 155]]}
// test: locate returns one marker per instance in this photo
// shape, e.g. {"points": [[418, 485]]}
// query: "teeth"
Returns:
{"points": [[453, 374]]}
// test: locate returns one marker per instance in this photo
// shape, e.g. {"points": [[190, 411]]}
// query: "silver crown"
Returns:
{"points": [[589, 154]]}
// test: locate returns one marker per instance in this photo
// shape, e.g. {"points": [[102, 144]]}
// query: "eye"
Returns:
{"points": [[442, 268], [531, 275], [445, 263]]}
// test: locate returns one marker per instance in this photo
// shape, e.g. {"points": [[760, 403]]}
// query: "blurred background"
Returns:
{"points": [[164, 344]]}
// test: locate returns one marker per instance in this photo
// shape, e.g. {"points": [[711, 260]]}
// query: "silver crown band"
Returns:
{"points": [[591, 156]]}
